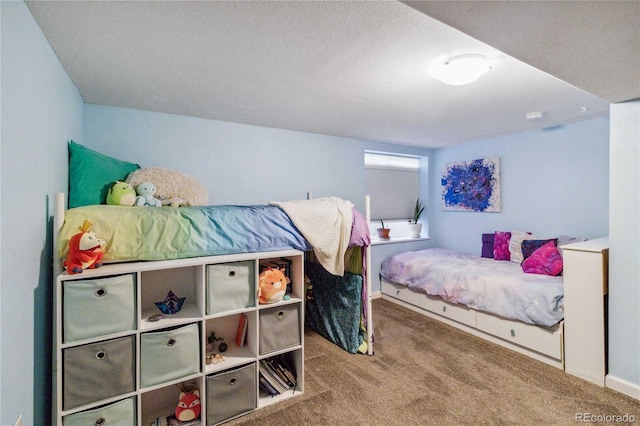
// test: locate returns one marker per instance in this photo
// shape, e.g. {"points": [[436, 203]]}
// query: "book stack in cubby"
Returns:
{"points": [[276, 375]]}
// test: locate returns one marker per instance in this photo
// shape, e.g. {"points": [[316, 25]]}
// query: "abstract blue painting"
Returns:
{"points": [[472, 186]]}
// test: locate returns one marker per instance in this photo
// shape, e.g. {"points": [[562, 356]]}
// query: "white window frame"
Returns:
{"points": [[390, 171]]}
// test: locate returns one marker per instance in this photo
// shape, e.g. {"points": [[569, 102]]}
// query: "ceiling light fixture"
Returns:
{"points": [[461, 70]]}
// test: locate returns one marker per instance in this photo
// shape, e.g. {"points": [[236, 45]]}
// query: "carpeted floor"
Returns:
{"points": [[424, 372]]}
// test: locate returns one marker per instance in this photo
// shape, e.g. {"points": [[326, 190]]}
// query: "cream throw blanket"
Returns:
{"points": [[326, 224]]}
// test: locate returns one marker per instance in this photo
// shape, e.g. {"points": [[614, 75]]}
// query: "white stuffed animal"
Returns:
{"points": [[146, 192]]}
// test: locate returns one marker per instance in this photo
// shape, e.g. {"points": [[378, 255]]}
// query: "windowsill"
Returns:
{"points": [[375, 241]]}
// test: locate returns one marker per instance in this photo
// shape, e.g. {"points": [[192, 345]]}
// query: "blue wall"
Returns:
{"points": [[238, 163], [41, 110], [553, 182]]}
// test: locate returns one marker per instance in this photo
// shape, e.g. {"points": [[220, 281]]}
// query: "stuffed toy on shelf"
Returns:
{"points": [[272, 285], [188, 404], [85, 250]]}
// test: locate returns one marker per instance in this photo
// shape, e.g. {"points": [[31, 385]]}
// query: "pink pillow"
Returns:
{"points": [[501, 245], [545, 261]]}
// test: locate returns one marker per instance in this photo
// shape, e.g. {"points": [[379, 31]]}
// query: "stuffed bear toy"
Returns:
{"points": [[121, 194], [146, 192], [85, 250], [272, 285]]}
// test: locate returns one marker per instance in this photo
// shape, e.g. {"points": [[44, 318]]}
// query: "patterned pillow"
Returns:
{"points": [[545, 261], [501, 245], [487, 245], [529, 246], [515, 244]]}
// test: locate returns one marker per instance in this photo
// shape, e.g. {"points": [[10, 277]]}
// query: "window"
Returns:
{"points": [[393, 184]]}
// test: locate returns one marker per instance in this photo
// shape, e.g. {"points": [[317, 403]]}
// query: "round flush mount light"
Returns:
{"points": [[460, 70]]}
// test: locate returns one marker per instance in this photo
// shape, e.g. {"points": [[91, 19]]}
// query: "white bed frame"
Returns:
{"points": [[543, 344], [58, 220]]}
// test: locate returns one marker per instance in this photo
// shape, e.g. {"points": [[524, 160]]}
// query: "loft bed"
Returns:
{"points": [[166, 233], [334, 235]]}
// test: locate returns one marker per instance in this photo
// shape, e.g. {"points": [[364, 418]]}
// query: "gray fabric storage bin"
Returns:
{"points": [[231, 393], [98, 307], [230, 286], [169, 354], [121, 413], [97, 371], [279, 328]]}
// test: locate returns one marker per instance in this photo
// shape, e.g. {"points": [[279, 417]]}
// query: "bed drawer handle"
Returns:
{"points": [[513, 333], [444, 309], [397, 292]]}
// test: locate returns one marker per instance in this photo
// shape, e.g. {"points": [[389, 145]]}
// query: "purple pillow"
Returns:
{"points": [[529, 246], [501, 245], [487, 246], [545, 261]]}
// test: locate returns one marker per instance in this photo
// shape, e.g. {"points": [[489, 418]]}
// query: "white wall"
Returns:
{"points": [[624, 253], [553, 182], [41, 110]]}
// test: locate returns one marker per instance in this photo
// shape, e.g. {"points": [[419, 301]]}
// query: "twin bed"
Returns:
{"points": [[493, 299]]}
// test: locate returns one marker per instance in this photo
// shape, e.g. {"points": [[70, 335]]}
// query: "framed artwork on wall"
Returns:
{"points": [[472, 186]]}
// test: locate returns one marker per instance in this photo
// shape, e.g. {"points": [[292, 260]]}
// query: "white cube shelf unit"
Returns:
{"points": [[113, 364]]}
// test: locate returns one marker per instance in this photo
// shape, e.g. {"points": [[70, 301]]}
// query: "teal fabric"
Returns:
{"points": [[169, 354], [122, 413], [230, 286], [91, 174], [333, 306], [98, 307]]}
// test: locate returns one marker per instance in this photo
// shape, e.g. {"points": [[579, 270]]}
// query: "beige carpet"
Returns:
{"points": [[427, 373]]}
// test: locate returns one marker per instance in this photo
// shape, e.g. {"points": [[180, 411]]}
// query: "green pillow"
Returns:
{"points": [[91, 174]]}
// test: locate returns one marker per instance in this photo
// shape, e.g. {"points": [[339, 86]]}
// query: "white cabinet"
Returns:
{"points": [[115, 363], [585, 301]]}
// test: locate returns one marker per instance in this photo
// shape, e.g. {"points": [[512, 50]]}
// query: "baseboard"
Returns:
{"points": [[620, 385], [376, 295]]}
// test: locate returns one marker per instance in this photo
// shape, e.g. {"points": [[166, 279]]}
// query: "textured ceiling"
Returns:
{"points": [[594, 45], [346, 68]]}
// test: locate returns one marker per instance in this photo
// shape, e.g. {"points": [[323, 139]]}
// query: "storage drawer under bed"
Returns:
{"points": [[547, 341], [402, 292], [459, 313]]}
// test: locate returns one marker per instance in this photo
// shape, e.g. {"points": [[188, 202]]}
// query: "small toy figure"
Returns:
{"points": [[188, 405], [121, 194], [171, 304], [85, 250], [146, 192], [273, 285]]}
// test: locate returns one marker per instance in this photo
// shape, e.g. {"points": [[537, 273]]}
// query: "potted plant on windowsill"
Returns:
{"points": [[383, 233], [415, 228]]}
